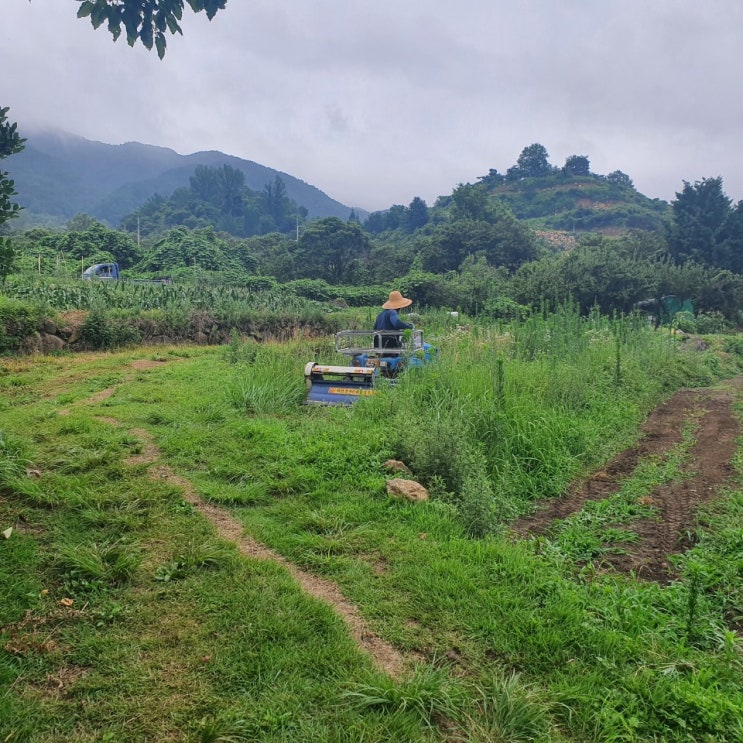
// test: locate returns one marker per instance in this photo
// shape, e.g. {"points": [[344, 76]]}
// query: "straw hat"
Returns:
{"points": [[396, 301]]}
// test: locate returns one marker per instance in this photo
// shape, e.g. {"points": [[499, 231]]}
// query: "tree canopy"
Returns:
{"points": [[144, 20], [332, 250], [532, 163], [706, 228], [10, 144], [577, 165], [219, 198]]}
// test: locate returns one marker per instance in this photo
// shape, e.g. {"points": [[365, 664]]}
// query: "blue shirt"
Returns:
{"points": [[390, 320]]}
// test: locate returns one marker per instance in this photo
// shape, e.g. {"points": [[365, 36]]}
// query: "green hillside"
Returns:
{"points": [[581, 203]]}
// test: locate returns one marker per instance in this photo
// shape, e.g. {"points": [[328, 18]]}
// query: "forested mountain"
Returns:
{"points": [[59, 175], [219, 198]]}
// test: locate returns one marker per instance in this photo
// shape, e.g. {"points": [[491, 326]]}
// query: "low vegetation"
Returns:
{"points": [[125, 616]]}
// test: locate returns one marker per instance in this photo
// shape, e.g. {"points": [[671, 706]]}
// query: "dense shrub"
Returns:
{"points": [[18, 320], [103, 331]]}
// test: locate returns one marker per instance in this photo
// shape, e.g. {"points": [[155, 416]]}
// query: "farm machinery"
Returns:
{"points": [[373, 355]]}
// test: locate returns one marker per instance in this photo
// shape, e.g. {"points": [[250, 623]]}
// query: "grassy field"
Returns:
{"points": [[127, 615]]}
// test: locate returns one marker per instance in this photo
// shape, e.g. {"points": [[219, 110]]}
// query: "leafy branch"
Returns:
{"points": [[146, 20]]}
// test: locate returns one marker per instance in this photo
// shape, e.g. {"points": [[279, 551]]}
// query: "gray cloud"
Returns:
{"points": [[376, 103]]}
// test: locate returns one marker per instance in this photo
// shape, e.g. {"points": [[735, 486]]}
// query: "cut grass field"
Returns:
{"points": [[170, 509]]}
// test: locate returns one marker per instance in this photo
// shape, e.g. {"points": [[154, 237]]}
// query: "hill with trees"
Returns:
{"points": [[59, 175], [571, 197]]}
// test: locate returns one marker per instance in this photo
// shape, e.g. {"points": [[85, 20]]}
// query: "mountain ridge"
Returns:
{"points": [[60, 174]]}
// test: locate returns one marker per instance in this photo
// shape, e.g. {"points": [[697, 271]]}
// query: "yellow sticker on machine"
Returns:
{"points": [[349, 391]]}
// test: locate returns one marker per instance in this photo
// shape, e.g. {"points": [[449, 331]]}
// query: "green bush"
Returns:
{"points": [[18, 320], [102, 331], [733, 344], [685, 321], [711, 322]]}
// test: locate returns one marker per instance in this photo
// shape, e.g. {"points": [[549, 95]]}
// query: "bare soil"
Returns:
{"points": [[708, 471]]}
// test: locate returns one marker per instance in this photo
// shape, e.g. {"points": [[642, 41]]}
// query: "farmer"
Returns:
{"points": [[388, 319]]}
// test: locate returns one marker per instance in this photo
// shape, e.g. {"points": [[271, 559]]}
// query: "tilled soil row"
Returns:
{"points": [[708, 472]]}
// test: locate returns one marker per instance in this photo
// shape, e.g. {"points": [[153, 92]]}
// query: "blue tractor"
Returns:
{"points": [[373, 354]]}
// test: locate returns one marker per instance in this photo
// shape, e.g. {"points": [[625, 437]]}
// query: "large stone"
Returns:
{"points": [[409, 489], [50, 343]]}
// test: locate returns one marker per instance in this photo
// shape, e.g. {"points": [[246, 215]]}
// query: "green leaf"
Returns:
{"points": [[212, 6], [98, 14], [145, 35], [85, 9], [173, 26], [114, 26], [160, 45]]}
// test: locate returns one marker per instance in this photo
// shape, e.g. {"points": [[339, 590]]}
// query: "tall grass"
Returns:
{"points": [[507, 417], [173, 634], [269, 381]]}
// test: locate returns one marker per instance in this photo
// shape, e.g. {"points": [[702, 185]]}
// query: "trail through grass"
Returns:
{"points": [[126, 615]]}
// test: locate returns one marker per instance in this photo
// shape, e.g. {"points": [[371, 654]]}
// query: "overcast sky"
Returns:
{"points": [[379, 101]]}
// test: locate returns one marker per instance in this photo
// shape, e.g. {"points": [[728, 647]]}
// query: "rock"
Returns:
{"points": [[395, 465], [49, 343], [409, 489], [49, 326]]}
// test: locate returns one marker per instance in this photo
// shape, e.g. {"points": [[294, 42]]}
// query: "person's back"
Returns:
{"points": [[389, 319]]}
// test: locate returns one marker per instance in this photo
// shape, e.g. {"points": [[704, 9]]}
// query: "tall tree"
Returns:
{"points": [[577, 165], [205, 183], [700, 218], [80, 222], [492, 179], [507, 243], [395, 216], [276, 200], [376, 222], [617, 178], [470, 201], [733, 235], [330, 249], [417, 214], [10, 144], [533, 161], [231, 186], [144, 20]]}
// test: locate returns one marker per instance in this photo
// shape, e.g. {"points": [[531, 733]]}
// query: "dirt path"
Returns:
{"points": [[708, 471], [385, 656]]}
